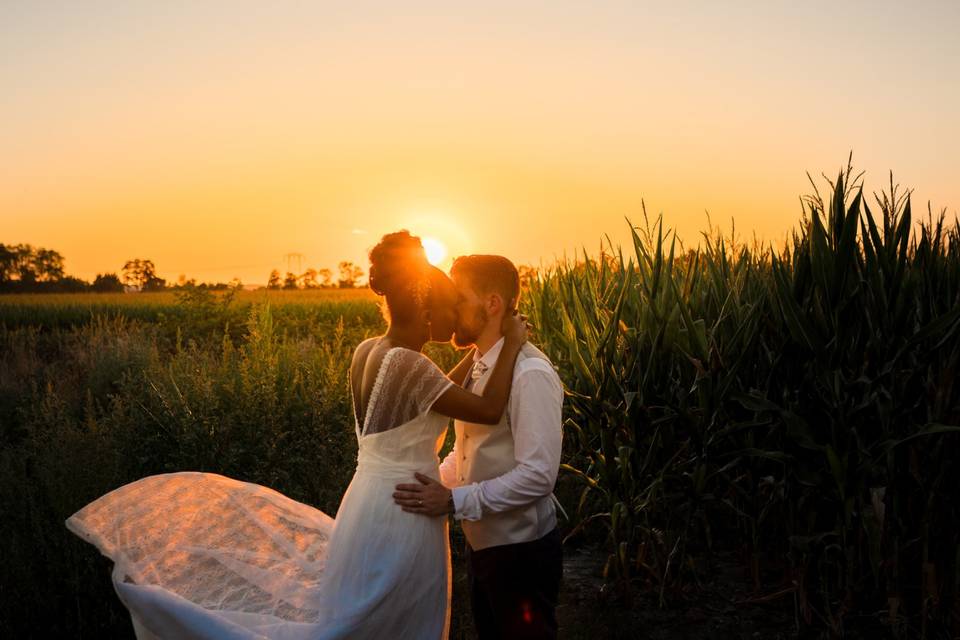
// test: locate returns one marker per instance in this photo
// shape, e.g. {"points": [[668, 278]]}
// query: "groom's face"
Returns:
{"points": [[471, 311]]}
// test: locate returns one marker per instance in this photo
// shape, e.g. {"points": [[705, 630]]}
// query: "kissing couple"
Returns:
{"points": [[200, 556]]}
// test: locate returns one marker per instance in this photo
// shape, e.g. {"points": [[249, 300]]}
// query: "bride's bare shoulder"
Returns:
{"points": [[363, 349]]}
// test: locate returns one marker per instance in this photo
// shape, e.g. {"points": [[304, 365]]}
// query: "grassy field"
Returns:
{"points": [[769, 428], [95, 301], [315, 308]]}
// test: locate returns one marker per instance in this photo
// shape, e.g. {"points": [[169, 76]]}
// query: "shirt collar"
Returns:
{"points": [[489, 359]]}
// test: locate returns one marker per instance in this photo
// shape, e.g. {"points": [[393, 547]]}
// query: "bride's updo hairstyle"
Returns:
{"points": [[401, 273]]}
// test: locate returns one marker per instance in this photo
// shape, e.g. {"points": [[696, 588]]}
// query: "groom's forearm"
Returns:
{"points": [[518, 488]]}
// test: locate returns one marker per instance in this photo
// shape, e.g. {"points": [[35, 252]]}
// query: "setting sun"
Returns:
{"points": [[436, 250]]}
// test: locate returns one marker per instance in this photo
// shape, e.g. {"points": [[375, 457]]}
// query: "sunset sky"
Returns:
{"points": [[215, 138]]}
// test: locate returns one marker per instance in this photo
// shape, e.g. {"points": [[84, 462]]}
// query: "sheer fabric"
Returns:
{"points": [[199, 556], [409, 383]]}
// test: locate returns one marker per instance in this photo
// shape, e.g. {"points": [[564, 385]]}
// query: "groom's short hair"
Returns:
{"points": [[490, 274]]}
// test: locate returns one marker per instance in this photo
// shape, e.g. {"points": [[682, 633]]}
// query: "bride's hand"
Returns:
{"points": [[514, 328]]}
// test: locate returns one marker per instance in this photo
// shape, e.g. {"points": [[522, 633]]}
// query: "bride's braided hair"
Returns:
{"points": [[400, 271]]}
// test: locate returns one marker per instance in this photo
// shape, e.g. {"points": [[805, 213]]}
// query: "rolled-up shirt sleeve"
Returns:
{"points": [[535, 407]]}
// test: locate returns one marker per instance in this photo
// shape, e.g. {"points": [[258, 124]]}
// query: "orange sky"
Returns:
{"points": [[216, 140]]}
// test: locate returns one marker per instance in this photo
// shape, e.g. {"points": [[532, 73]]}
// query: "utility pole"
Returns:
{"points": [[290, 257]]}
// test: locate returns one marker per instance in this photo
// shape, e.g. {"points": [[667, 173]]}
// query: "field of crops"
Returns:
{"points": [[313, 306], [799, 407], [794, 406]]}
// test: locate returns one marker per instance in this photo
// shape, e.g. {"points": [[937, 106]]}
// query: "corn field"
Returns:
{"points": [[798, 405]]}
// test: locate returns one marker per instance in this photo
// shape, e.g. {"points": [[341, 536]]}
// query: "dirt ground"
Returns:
{"points": [[724, 607], [587, 610]]}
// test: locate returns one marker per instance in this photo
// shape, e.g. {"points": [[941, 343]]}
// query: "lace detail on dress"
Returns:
{"points": [[406, 386], [220, 543], [375, 392]]}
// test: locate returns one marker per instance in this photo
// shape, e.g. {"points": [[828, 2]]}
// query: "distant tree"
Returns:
{"points": [[29, 265], [8, 261], [274, 281], [20, 265], [290, 281], [155, 284], [47, 264], [309, 278], [27, 276], [106, 283], [326, 278], [142, 274], [133, 273], [184, 281], [349, 274]]}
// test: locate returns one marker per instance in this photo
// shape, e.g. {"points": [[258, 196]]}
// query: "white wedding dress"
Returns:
{"points": [[199, 556]]}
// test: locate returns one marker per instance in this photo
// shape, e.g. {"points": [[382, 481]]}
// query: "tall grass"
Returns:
{"points": [[254, 391], [798, 405], [298, 311], [86, 409]]}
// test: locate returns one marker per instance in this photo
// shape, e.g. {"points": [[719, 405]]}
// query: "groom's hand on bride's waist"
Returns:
{"points": [[428, 498]]}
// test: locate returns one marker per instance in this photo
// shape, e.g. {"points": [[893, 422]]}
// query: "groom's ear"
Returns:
{"points": [[495, 303]]}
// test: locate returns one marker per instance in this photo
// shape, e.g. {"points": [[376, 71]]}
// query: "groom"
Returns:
{"points": [[498, 480]]}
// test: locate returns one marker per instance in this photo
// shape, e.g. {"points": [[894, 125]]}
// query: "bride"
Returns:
{"points": [[202, 556]]}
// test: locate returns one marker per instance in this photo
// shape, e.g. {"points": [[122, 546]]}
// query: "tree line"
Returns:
{"points": [[348, 278], [28, 269]]}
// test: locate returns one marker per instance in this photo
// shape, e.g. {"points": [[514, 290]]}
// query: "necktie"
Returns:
{"points": [[479, 368]]}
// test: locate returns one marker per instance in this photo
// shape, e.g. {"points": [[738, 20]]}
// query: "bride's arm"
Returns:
{"points": [[459, 373], [460, 404]]}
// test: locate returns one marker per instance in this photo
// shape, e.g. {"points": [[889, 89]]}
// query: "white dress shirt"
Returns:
{"points": [[534, 409]]}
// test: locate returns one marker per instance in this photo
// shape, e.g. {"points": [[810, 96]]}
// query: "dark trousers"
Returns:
{"points": [[514, 588]]}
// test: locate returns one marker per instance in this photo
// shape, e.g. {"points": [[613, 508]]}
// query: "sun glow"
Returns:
{"points": [[436, 250]]}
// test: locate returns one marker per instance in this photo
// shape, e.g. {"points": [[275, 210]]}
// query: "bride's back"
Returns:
{"points": [[393, 389]]}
